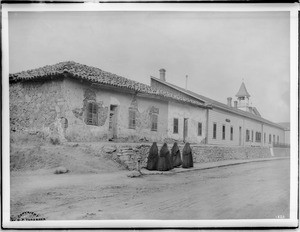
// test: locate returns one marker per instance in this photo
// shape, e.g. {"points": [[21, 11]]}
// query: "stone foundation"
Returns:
{"points": [[130, 154]]}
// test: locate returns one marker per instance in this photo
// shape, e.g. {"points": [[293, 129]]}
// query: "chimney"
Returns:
{"points": [[162, 74], [186, 81], [229, 99], [235, 104], [250, 109]]}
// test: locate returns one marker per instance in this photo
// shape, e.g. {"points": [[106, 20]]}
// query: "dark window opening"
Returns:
{"points": [[223, 132], [199, 129], [215, 131], [92, 114], [175, 126], [247, 135], [231, 133], [132, 118], [257, 137], [154, 119]]}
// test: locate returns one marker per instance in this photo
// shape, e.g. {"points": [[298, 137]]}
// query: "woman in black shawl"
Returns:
{"points": [[175, 154], [187, 157], [152, 157], [164, 162]]}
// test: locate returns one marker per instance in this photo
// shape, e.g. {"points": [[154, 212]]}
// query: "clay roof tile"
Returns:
{"points": [[97, 75]]}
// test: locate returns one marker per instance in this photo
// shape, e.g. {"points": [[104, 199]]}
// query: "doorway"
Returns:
{"points": [[113, 121], [185, 129]]}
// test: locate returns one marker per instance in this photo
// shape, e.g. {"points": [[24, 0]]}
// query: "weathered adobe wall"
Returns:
{"points": [[129, 155], [76, 95], [37, 107]]}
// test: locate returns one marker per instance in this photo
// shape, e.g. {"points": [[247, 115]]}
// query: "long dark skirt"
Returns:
{"points": [[152, 157], [191, 159], [187, 157], [171, 160], [164, 162], [176, 155]]}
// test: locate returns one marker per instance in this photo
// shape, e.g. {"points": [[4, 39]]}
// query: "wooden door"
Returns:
{"points": [[185, 129], [113, 121]]}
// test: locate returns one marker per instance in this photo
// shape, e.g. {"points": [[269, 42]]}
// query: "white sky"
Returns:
{"points": [[215, 49]]}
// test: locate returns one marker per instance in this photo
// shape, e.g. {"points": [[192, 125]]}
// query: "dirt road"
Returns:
{"points": [[245, 191]]}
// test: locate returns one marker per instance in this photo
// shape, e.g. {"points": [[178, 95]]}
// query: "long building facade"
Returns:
{"points": [[83, 103], [229, 124]]}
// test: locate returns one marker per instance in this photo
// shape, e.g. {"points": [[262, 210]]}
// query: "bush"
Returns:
{"points": [[61, 170], [54, 140]]}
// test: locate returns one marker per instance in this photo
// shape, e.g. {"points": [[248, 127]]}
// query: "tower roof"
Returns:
{"points": [[242, 91]]}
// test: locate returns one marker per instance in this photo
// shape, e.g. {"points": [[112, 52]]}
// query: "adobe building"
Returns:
{"points": [[237, 124], [81, 103]]}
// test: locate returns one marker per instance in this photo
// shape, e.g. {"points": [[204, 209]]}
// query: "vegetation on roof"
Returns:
{"points": [[95, 75]]}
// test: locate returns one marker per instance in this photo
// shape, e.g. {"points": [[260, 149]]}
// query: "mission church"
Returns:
{"points": [[77, 102]]}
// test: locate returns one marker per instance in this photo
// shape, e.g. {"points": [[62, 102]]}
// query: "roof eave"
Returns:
{"points": [[259, 119]]}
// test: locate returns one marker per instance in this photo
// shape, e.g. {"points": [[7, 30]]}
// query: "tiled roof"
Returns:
{"points": [[217, 104], [242, 91], [95, 75]]}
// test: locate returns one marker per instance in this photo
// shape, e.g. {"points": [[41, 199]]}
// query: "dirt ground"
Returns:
{"points": [[245, 191]]}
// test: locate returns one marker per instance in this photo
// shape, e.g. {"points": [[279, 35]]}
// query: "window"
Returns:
{"points": [[247, 135], [215, 131], [132, 118], [270, 138], [252, 136], [265, 138], [199, 128], [92, 114], [154, 119], [273, 138], [257, 137], [231, 133], [223, 132], [175, 126], [277, 139]]}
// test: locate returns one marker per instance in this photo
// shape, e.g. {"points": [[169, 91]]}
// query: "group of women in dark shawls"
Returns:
{"points": [[165, 161]]}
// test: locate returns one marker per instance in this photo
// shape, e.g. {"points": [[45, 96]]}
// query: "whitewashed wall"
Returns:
{"points": [[273, 131], [253, 126], [194, 114], [229, 119], [219, 117], [287, 136]]}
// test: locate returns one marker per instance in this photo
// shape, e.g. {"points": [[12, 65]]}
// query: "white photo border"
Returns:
{"points": [[294, 185]]}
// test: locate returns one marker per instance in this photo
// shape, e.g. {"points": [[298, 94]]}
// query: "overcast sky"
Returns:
{"points": [[215, 49]]}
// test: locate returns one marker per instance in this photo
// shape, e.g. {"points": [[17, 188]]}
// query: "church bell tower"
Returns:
{"points": [[243, 98]]}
